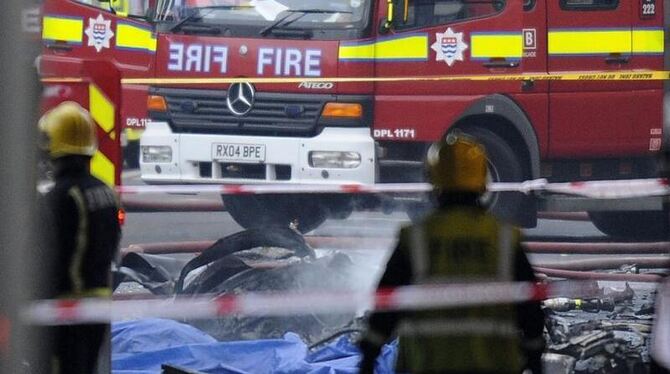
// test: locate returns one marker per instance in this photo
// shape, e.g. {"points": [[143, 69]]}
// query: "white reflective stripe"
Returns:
{"points": [[458, 327], [418, 253], [505, 252], [660, 344], [75, 269]]}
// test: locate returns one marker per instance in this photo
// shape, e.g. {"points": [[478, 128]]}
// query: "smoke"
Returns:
{"points": [[359, 252]]}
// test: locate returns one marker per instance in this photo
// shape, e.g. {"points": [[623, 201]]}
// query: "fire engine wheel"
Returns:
{"points": [[268, 210], [503, 166], [638, 225]]}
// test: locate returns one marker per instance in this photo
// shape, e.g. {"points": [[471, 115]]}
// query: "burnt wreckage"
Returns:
{"points": [[592, 330], [255, 260], [604, 330]]}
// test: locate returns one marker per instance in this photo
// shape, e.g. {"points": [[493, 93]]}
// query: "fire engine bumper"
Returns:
{"points": [[336, 155]]}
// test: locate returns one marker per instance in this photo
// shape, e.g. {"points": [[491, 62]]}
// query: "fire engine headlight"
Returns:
{"points": [[156, 154], [334, 160]]}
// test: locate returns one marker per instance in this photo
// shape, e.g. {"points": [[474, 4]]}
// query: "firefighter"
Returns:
{"points": [[87, 231], [459, 242]]}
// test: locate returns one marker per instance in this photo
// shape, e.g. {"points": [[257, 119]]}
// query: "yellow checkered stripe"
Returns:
{"points": [[588, 42], [103, 112], [133, 37], [406, 48], [62, 29], [485, 46]]}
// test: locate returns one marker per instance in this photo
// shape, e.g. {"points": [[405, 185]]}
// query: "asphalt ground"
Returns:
{"points": [[148, 227], [159, 227]]}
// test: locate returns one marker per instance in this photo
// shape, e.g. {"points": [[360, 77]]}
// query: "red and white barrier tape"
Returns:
{"points": [[613, 189], [595, 189], [252, 189], [62, 312]]}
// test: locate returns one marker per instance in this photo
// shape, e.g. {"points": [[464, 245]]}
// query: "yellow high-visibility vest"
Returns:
{"points": [[460, 245]]}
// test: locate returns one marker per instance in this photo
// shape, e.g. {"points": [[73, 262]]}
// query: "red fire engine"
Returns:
{"points": [[309, 125]]}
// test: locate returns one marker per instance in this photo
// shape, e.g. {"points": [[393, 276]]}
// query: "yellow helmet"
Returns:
{"points": [[70, 130], [457, 164]]}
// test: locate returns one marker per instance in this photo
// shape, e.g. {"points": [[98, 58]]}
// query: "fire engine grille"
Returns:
{"points": [[273, 114]]}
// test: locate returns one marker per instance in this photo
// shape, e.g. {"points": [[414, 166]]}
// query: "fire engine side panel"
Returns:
{"points": [[417, 117], [598, 119], [648, 49], [357, 68], [423, 110], [534, 98], [97, 94], [80, 31], [535, 108], [54, 94], [134, 109], [74, 32]]}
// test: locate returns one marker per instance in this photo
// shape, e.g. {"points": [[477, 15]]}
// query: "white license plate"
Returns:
{"points": [[238, 152]]}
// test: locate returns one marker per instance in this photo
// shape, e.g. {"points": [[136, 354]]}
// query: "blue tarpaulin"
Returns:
{"points": [[141, 347]]}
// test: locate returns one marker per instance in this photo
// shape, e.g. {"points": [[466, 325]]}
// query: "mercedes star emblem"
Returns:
{"points": [[240, 98]]}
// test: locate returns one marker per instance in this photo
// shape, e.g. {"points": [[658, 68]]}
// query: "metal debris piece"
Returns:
{"points": [[602, 341], [558, 364]]}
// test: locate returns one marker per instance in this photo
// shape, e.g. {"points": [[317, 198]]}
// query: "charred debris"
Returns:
{"points": [[594, 330]]}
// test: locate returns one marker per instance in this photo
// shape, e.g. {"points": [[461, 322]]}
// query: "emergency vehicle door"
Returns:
{"points": [[590, 117], [443, 38], [535, 97]]}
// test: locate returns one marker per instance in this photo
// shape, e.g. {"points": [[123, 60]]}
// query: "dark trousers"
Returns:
{"points": [[655, 368], [77, 348]]}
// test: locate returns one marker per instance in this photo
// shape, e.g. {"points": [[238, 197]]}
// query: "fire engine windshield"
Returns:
{"points": [[315, 19]]}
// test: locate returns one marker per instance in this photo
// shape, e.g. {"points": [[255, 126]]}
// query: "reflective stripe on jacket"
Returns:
{"points": [[462, 244]]}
